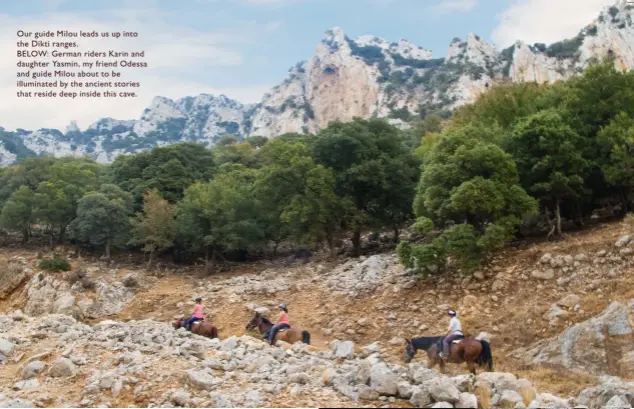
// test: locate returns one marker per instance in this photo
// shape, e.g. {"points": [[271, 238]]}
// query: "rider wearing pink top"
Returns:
{"points": [[198, 310], [198, 313], [284, 319], [283, 323]]}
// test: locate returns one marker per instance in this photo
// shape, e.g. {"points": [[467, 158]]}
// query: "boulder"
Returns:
{"points": [[367, 393], [467, 400], [420, 398], [405, 390], [610, 387], [442, 390], [364, 372], [569, 301], [65, 304], [383, 380], [32, 369], [342, 349], [500, 381], [6, 349], [299, 378], [463, 382], [201, 379], [442, 405], [371, 270], [252, 399], [582, 346], [618, 402], [510, 398], [12, 275], [180, 398], [61, 368]]}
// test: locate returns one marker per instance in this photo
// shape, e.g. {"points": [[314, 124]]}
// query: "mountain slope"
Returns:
{"points": [[366, 77]]}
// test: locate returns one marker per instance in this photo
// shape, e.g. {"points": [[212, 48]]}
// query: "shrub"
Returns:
{"points": [[55, 264]]}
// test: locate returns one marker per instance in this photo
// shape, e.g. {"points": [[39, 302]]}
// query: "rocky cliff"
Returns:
{"points": [[365, 77]]}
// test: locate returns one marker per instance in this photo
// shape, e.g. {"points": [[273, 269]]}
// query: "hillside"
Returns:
{"points": [[67, 342], [366, 77]]}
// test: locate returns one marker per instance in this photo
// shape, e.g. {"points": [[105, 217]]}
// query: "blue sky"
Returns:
{"points": [[244, 47]]}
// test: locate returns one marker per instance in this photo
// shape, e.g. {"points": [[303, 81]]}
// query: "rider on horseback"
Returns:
{"points": [[283, 323], [453, 332], [198, 314]]}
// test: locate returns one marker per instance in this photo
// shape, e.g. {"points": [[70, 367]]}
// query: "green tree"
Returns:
{"points": [[297, 195], [17, 212], [617, 144], [56, 199], [550, 161], [169, 169], [257, 141], [220, 215], [598, 96], [155, 226], [233, 152], [469, 182], [363, 154], [103, 217]]}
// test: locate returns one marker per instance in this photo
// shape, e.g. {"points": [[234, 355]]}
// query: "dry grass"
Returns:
{"points": [[557, 381]]}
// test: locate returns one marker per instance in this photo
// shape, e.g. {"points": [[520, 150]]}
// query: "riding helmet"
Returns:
{"points": [[198, 299], [451, 313], [283, 306]]}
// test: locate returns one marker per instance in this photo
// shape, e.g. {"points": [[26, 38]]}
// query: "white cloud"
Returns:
{"points": [[545, 21], [178, 59]]}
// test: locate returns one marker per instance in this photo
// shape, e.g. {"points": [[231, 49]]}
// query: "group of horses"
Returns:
{"points": [[259, 322], [474, 352]]}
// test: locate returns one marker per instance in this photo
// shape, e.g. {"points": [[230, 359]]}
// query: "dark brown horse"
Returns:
{"points": [[469, 350], [291, 335], [202, 328]]}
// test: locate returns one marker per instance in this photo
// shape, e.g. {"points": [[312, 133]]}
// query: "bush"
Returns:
{"points": [[55, 264]]}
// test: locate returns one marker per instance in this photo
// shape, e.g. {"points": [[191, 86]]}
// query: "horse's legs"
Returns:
{"points": [[472, 367]]}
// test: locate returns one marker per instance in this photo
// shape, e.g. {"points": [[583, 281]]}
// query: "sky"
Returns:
{"points": [[242, 48]]}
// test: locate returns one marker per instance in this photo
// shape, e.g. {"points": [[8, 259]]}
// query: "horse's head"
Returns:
{"points": [[409, 352], [255, 322], [177, 324]]}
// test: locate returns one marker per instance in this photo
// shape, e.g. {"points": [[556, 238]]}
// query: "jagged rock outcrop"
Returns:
{"points": [[597, 346], [365, 77]]}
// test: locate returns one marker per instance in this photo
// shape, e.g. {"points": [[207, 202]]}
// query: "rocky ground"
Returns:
{"points": [[558, 316]]}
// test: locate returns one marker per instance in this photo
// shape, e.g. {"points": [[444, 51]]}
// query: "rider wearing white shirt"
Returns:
{"points": [[453, 332]]}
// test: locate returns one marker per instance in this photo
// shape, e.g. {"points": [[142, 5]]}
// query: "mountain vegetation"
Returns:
{"points": [[464, 187]]}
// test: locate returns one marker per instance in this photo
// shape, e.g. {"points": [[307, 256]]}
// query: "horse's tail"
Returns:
{"points": [[306, 337], [214, 332], [485, 358]]}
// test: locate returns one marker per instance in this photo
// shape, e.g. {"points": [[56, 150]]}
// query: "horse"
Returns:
{"points": [[202, 328], [290, 335], [469, 350]]}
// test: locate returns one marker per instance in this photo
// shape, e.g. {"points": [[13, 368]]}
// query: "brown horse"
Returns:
{"points": [[469, 350], [202, 328], [290, 335]]}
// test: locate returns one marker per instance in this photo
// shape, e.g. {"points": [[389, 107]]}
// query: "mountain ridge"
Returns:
{"points": [[367, 77]]}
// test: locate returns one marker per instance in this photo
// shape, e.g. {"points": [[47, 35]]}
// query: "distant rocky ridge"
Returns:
{"points": [[365, 77]]}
